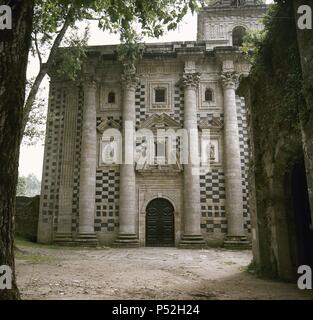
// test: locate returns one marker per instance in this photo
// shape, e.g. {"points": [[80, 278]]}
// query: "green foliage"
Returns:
{"points": [[36, 125], [123, 16], [57, 20], [129, 53], [252, 44], [21, 186], [28, 186], [69, 67], [276, 73]]}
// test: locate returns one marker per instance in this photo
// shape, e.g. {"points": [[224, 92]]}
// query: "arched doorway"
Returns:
{"points": [[238, 35], [160, 229]]}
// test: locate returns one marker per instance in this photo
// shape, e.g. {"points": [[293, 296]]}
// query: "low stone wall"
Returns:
{"points": [[26, 217]]}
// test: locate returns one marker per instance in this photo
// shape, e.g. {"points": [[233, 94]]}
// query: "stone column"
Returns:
{"points": [[88, 165], [128, 213], [192, 236], [233, 179], [64, 230]]}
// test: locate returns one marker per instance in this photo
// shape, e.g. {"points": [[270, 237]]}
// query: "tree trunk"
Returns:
{"points": [[14, 48], [305, 45]]}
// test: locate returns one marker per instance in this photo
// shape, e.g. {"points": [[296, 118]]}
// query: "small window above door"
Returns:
{"points": [[111, 97], [208, 95]]}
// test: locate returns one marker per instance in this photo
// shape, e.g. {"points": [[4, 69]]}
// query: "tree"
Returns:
{"points": [[28, 186], [14, 49], [21, 187], [52, 17]]}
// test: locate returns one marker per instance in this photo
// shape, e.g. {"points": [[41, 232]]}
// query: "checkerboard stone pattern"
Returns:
{"points": [[178, 108], [107, 190], [107, 200], [244, 157], [212, 185], [75, 206], [140, 104], [53, 156], [212, 202], [53, 152]]}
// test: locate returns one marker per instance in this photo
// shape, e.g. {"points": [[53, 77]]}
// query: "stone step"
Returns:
{"points": [[192, 242], [126, 241]]}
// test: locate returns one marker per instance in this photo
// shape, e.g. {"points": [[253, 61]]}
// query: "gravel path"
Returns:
{"points": [[144, 273]]}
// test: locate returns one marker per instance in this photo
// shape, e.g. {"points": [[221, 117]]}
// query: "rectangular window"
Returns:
{"points": [[160, 95]]}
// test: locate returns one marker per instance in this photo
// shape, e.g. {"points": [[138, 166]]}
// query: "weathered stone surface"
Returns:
{"points": [[280, 167], [87, 198]]}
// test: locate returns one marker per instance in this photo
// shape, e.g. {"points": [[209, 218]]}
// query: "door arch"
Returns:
{"points": [[160, 226]]}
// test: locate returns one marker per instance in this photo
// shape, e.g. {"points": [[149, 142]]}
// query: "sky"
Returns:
{"points": [[31, 157]]}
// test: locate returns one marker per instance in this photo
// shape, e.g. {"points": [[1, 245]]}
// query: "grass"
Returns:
{"points": [[22, 252], [33, 258], [21, 242]]}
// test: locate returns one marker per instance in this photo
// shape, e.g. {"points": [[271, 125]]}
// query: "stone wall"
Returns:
{"points": [[278, 192], [26, 217]]}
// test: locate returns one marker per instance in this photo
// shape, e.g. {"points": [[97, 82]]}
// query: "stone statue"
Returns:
{"points": [[211, 152], [109, 151]]}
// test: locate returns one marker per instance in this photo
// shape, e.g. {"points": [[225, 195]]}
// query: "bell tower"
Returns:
{"points": [[224, 22]]}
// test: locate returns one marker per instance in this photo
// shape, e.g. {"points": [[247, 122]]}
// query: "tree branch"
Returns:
{"points": [[37, 50], [43, 71]]}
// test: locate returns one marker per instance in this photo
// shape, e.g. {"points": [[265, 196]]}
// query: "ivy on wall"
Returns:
{"points": [[274, 88], [275, 79]]}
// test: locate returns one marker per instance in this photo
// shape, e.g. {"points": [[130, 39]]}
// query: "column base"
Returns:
{"points": [[87, 239], [63, 239], [126, 241], [191, 241], [237, 243]]}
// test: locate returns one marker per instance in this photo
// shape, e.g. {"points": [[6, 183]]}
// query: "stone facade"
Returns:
{"points": [[180, 85]]}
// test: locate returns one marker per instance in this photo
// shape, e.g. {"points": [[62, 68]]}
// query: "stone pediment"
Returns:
{"points": [[160, 121], [213, 124], [108, 124]]}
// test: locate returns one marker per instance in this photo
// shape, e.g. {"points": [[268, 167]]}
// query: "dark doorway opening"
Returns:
{"points": [[238, 36], [160, 228], [302, 215]]}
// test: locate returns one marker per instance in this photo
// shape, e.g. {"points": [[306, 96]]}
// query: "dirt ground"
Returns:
{"points": [[144, 273]]}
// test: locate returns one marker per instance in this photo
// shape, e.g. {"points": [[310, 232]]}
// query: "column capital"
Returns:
{"points": [[230, 79], [89, 82], [191, 80], [129, 80]]}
